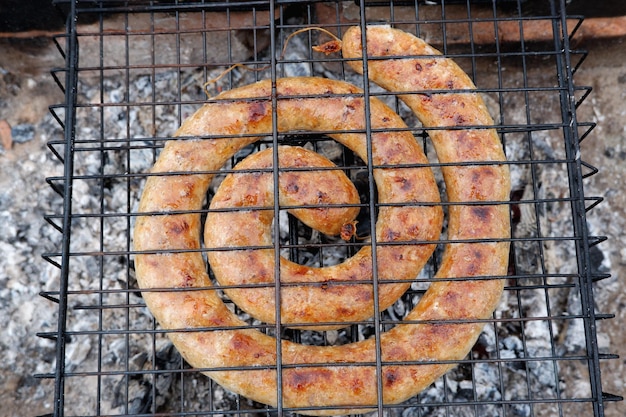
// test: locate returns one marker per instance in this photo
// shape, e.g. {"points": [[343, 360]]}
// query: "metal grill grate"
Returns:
{"points": [[135, 70]]}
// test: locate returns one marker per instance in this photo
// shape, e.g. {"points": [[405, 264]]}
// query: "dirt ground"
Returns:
{"points": [[604, 70]]}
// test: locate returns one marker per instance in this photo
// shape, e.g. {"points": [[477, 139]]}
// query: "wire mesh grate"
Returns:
{"points": [[136, 70]]}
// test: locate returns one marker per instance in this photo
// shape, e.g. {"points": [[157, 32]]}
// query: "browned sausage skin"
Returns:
{"points": [[440, 329]]}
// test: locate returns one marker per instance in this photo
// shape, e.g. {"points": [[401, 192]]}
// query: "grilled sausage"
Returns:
{"points": [[437, 332]]}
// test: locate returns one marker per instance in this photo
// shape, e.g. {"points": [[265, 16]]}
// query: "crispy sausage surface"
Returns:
{"points": [[438, 331]]}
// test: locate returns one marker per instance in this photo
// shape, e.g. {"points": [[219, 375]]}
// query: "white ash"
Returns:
{"points": [[24, 236]]}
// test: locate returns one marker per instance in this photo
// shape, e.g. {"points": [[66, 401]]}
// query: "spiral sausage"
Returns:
{"points": [[438, 331]]}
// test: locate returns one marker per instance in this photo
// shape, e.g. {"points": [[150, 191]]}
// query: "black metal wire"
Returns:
{"points": [[147, 372], [579, 212]]}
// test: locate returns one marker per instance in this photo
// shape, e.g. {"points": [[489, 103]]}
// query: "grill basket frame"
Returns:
{"points": [[134, 370]]}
